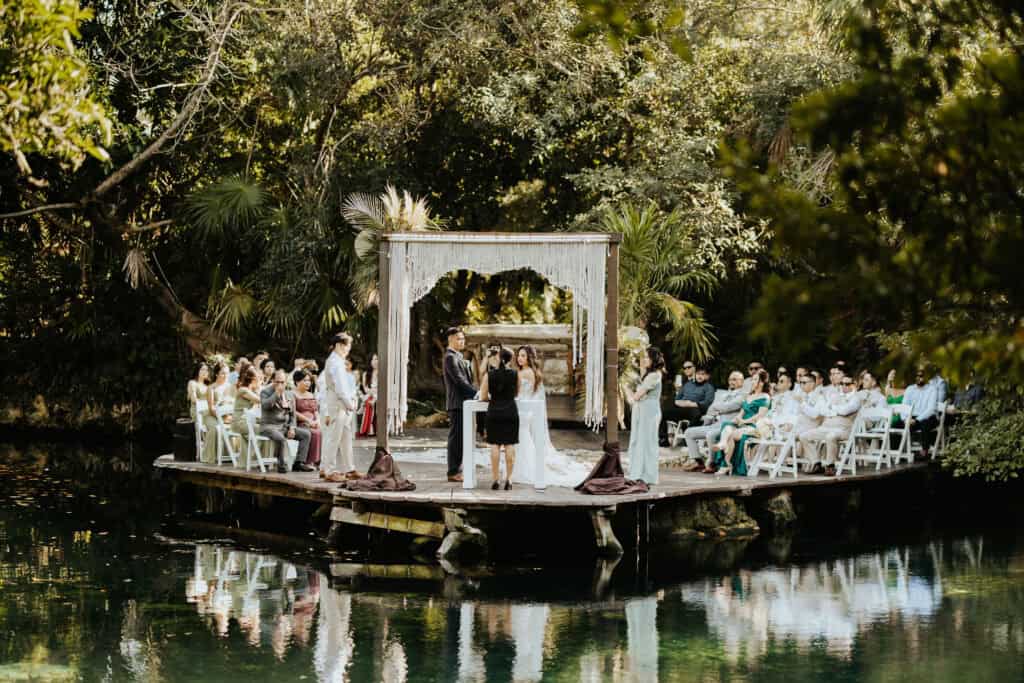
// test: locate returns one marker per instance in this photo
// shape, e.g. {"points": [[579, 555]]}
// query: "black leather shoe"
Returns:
{"points": [[281, 469], [302, 467]]}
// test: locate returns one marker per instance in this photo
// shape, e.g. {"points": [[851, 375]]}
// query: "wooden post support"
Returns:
{"points": [[607, 544], [460, 533], [611, 336], [383, 315]]}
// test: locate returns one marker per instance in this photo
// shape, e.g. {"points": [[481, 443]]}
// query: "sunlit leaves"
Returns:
{"points": [[46, 106]]}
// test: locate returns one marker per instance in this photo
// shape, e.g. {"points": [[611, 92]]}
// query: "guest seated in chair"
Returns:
{"points": [[725, 408], [839, 409], [923, 398], [246, 398], [278, 423], [307, 413], [691, 402], [727, 456]]}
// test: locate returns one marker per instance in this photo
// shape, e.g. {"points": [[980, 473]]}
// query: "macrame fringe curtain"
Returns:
{"points": [[579, 267]]}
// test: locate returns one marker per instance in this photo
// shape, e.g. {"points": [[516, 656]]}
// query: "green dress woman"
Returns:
{"points": [[643, 432], [735, 433]]}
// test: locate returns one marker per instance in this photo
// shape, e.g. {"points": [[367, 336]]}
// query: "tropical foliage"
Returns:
{"points": [[46, 103], [239, 129], [656, 265]]}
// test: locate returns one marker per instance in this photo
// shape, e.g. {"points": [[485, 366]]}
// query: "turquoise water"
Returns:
{"points": [[98, 584]]}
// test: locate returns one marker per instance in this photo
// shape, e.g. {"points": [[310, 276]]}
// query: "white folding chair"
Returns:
{"points": [[200, 409], [256, 442], [775, 455], [675, 432], [902, 451], [940, 433], [868, 441], [224, 442]]}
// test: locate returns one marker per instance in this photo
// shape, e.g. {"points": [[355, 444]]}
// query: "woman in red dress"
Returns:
{"points": [[307, 413], [369, 389]]}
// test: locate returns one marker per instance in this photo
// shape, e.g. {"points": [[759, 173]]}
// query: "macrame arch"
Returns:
{"points": [[585, 264]]}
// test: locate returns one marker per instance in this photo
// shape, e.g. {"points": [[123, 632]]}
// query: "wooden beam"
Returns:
{"points": [[264, 487], [383, 369], [504, 237], [380, 520], [611, 337]]}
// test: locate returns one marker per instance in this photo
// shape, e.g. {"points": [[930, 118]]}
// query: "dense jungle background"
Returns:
{"points": [[797, 182]]}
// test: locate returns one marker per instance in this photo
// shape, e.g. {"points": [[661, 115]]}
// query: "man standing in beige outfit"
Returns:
{"points": [[338, 404], [839, 412]]}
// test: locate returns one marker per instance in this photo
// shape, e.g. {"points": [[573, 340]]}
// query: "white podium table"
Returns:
{"points": [[526, 408]]}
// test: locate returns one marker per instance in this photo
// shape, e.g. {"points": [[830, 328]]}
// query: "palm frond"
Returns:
{"points": [[232, 203], [690, 332], [281, 313], [365, 211], [696, 280], [136, 268], [233, 309]]}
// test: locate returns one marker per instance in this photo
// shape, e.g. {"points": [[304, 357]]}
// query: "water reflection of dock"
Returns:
{"points": [[828, 606]]}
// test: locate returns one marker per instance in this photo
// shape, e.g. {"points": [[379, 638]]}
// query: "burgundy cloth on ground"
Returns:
{"points": [[607, 476], [382, 475]]}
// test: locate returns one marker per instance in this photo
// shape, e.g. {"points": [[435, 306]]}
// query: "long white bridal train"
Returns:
{"points": [[535, 442]]}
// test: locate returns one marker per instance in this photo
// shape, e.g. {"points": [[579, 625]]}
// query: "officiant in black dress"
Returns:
{"points": [[499, 389], [458, 387]]}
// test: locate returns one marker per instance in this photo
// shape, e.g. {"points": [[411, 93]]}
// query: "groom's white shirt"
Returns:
{"points": [[337, 386]]}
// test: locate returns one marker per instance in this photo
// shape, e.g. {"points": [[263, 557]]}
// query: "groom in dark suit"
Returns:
{"points": [[458, 387]]}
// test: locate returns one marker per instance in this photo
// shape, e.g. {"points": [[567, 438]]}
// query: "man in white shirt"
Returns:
{"points": [[834, 386], [871, 396], [839, 412], [337, 391], [940, 387], [923, 399], [726, 407]]}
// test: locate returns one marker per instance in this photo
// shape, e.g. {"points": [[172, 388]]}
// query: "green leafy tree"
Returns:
{"points": [[921, 233], [655, 268], [46, 103]]}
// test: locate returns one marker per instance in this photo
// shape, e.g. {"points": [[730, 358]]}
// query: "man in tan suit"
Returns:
{"points": [[839, 411]]}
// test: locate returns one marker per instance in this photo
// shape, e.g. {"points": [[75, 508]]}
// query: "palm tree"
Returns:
{"points": [[373, 215], [655, 269], [289, 282]]}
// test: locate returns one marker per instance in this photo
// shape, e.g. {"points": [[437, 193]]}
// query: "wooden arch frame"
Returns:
{"points": [[564, 240]]}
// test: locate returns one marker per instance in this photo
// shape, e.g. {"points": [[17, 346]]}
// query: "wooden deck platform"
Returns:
{"points": [[445, 511], [433, 489]]}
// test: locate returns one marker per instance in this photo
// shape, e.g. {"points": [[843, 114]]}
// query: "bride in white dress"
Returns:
{"points": [[559, 469]]}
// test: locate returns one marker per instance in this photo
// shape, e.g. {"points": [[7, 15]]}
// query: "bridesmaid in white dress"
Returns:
{"points": [[534, 437]]}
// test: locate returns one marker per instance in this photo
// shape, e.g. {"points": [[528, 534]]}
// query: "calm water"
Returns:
{"points": [[97, 584]]}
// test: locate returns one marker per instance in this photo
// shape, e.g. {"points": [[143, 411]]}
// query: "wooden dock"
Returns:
{"points": [[459, 517]]}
